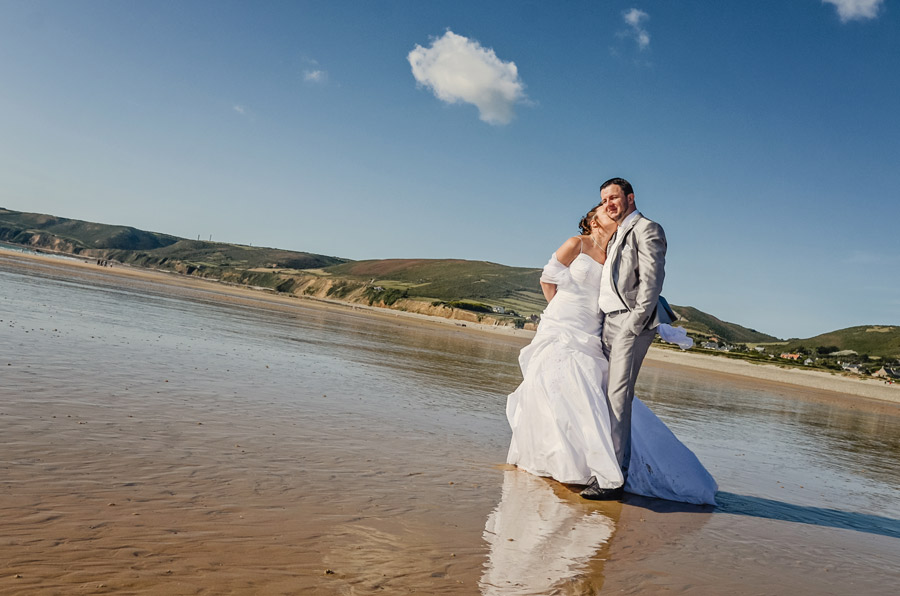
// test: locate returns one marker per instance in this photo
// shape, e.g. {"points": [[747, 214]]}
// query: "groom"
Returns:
{"points": [[629, 294]]}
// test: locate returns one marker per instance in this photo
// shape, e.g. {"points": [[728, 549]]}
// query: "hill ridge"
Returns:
{"points": [[412, 283]]}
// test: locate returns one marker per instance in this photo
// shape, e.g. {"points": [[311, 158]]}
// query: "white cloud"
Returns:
{"points": [[635, 18], [239, 109], [458, 69], [315, 76], [856, 10]]}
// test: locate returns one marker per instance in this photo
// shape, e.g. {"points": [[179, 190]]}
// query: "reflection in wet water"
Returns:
{"points": [[538, 541]]}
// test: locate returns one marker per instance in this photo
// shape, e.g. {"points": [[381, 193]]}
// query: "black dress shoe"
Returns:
{"points": [[595, 493]]}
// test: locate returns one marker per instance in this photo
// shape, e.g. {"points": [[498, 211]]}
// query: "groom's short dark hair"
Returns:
{"points": [[625, 185]]}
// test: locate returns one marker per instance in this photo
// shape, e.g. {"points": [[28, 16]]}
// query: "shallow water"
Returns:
{"points": [[202, 441]]}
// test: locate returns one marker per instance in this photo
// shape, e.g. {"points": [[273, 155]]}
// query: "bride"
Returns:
{"points": [[559, 415]]}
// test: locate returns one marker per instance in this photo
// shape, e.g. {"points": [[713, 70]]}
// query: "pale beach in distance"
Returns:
{"points": [[165, 434]]}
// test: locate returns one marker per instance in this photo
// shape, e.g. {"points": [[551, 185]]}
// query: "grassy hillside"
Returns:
{"points": [[511, 287], [38, 229], [452, 279], [147, 249], [873, 340], [382, 282], [199, 253], [701, 323]]}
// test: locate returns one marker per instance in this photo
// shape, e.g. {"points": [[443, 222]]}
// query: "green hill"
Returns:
{"points": [[873, 340], [202, 254], [701, 323], [147, 249], [448, 280], [443, 280], [498, 285], [378, 281], [37, 229]]}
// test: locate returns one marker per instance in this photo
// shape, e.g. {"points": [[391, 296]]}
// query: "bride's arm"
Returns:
{"points": [[549, 290], [565, 254]]}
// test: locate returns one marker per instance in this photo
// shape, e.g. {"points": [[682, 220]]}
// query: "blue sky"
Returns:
{"points": [[763, 136]]}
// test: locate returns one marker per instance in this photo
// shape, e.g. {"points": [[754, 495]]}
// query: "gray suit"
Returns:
{"points": [[637, 261]]}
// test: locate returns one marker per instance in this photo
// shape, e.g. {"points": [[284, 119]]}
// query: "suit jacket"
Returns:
{"points": [[638, 270]]}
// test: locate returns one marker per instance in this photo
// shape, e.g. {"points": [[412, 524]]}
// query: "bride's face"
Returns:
{"points": [[604, 222]]}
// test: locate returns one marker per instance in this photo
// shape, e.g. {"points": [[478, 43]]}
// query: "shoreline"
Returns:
{"points": [[810, 379]]}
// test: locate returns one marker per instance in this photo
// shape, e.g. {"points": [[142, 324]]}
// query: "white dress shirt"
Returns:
{"points": [[609, 301]]}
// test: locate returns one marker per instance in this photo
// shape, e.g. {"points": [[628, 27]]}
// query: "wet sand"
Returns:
{"points": [[144, 502], [209, 462]]}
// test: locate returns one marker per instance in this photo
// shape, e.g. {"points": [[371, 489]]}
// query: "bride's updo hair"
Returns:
{"points": [[585, 223]]}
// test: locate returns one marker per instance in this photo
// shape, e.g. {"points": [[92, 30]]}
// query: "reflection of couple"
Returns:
{"points": [[574, 417], [538, 540], [543, 539]]}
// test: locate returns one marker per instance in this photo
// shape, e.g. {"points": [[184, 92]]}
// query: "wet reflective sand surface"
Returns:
{"points": [[182, 438]]}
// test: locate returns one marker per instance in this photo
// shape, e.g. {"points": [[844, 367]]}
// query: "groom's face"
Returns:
{"points": [[618, 204]]}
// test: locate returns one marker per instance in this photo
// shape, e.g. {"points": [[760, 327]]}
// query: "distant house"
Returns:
{"points": [[498, 309], [760, 349], [809, 362], [888, 372], [854, 368], [787, 356], [710, 345]]}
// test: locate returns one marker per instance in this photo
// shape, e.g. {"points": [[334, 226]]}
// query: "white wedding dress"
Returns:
{"points": [[559, 415]]}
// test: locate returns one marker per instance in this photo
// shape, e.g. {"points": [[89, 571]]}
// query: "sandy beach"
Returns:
{"points": [[811, 379], [169, 435]]}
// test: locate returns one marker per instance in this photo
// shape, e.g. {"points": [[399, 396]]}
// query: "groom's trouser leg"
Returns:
{"points": [[626, 353]]}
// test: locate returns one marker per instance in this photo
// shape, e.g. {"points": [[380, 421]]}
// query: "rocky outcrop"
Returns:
{"points": [[47, 242]]}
